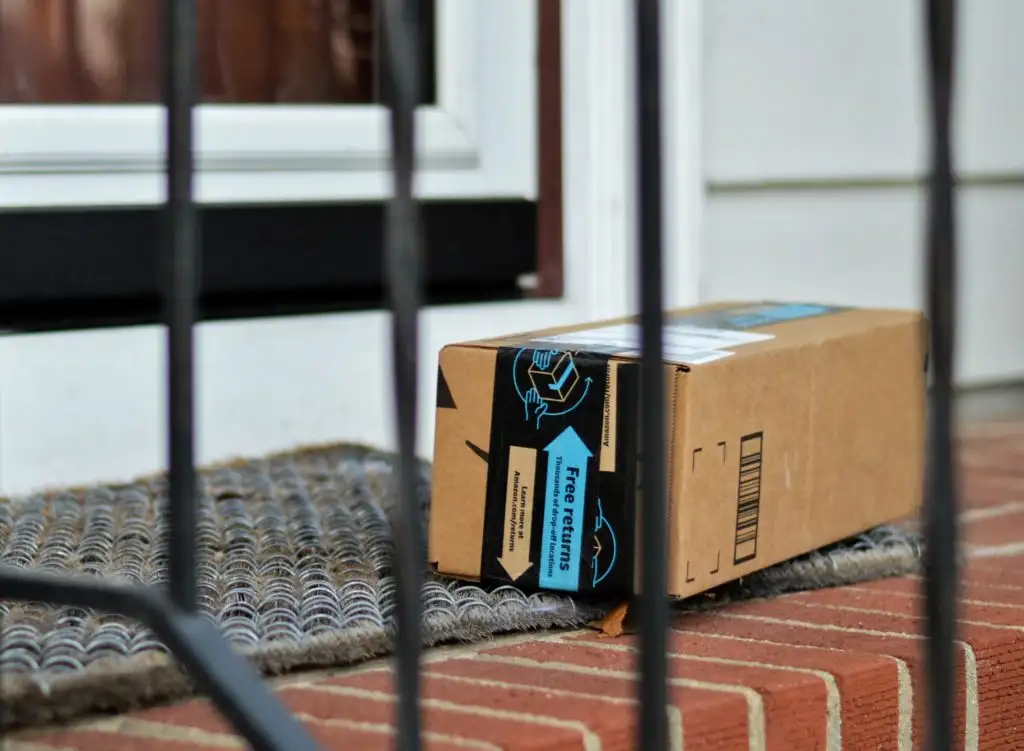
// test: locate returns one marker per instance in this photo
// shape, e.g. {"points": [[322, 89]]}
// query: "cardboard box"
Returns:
{"points": [[791, 426]]}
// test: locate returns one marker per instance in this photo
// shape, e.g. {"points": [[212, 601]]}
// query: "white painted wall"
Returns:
{"points": [[814, 146], [84, 406]]}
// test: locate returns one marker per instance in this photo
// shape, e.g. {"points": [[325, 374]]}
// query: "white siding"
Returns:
{"points": [[803, 92]]}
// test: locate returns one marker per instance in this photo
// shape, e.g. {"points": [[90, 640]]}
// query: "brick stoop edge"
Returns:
{"points": [[839, 668]]}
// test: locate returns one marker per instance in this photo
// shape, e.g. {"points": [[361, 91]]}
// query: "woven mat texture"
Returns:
{"points": [[295, 557]]}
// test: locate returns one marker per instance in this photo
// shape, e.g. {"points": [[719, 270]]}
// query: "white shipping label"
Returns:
{"points": [[688, 345]]}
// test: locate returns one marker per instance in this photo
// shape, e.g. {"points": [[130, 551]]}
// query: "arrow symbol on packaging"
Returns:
{"points": [[518, 527], [565, 500]]}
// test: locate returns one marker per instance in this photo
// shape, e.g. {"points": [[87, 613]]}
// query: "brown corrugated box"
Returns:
{"points": [[791, 426]]}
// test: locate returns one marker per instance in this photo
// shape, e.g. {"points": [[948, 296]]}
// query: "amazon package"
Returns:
{"points": [[789, 427]]}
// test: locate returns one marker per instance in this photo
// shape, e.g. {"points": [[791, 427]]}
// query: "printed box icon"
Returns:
{"points": [[553, 375]]}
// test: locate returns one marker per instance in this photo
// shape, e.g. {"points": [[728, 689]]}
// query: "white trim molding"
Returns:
{"points": [[685, 187], [600, 172], [479, 141], [597, 163]]}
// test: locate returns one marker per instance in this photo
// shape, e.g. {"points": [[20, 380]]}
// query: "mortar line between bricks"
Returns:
{"points": [[382, 729], [33, 736], [1000, 483], [968, 579], [991, 476], [920, 596], [439, 654], [972, 709], [151, 730], [980, 566], [675, 717], [1010, 444], [755, 704], [133, 727], [1010, 550], [905, 702], [970, 663], [590, 741], [992, 512], [993, 429], [833, 702], [980, 452], [798, 600], [516, 685], [31, 746], [904, 681]]}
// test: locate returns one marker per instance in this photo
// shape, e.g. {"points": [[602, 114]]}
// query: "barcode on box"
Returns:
{"points": [[748, 498]]}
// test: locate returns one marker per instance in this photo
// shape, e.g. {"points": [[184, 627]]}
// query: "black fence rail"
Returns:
{"points": [[234, 686]]}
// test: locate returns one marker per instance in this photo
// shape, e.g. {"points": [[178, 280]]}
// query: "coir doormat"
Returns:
{"points": [[295, 569]]}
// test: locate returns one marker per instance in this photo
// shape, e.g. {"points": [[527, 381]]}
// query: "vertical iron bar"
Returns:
{"points": [[654, 608], [403, 251], [181, 261], [941, 586]]}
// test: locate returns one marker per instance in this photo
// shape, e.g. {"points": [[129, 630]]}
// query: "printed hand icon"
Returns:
{"points": [[540, 411], [531, 398], [542, 358], [540, 407]]}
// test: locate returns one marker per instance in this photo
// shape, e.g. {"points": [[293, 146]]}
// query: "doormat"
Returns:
{"points": [[295, 555]]}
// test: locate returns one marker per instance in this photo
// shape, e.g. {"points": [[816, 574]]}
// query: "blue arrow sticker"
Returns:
{"points": [[565, 499]]}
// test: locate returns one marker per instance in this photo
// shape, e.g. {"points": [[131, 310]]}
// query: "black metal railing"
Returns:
{"points": [[940, 513], [654, 611], [233, 685]]}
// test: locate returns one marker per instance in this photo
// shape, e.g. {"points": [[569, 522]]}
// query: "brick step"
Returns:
{"points": [[832, 669]]}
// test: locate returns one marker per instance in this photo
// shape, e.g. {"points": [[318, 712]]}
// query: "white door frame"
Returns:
{"points": [[600, 145], [86, 406]]}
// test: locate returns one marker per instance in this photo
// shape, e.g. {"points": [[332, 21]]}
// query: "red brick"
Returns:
{"points": [[519, 733], [612, 722], [996, 572], [801, 607], [998, 457], [202, 715], [197, 713], [998, 650], [986, 490], [1004, 529], [788, 627], [999, 454], [794, 704], [970, 589], [996, 614], [868, 684], [711, 719], [999, 660]]}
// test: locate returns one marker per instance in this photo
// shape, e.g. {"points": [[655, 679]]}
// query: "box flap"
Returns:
{"points": [[465, 379]]}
